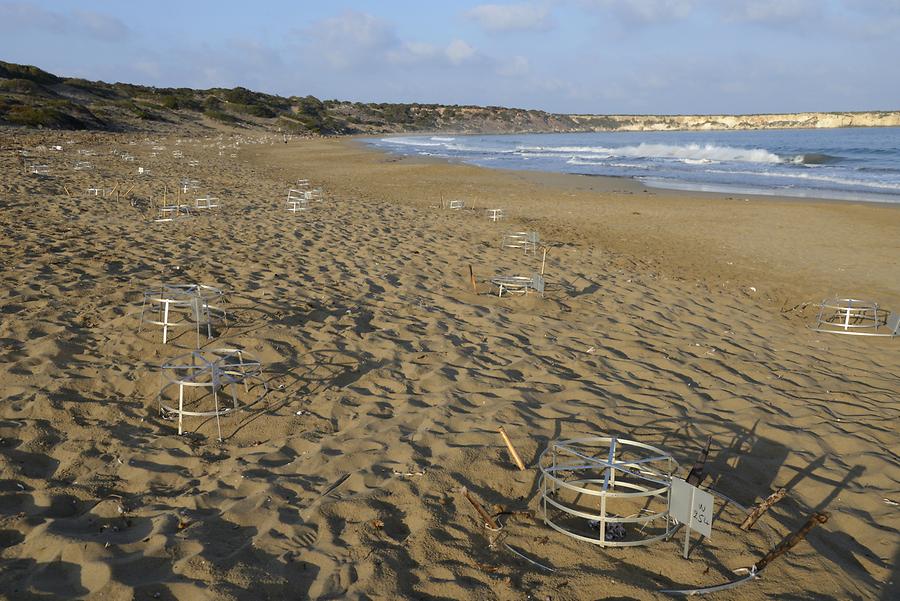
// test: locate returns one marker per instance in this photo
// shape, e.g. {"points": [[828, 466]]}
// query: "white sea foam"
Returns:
{"points": [[772, 161], [409, 142], [686, 152], [814, 177]]}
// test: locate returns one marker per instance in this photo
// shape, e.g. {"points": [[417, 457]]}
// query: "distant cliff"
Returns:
{"points": [[707, 122], [31, 97]]}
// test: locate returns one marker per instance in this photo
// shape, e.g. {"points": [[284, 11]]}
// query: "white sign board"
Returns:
{"points": [[691, 506]]}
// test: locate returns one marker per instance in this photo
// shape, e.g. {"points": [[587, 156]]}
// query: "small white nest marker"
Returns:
{"points": [[166, 213], [182, 305], [297, 200], [607, 491], [456, 205], [495, 214], [517, 284], [206, 203], [209, 383], [856, 317], [527, 241]]}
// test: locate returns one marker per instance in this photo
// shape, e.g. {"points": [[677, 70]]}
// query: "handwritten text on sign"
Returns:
{"points": [[691, 506]]}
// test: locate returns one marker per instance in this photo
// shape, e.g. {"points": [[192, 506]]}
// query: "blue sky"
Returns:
{"points": [[589, 56]]}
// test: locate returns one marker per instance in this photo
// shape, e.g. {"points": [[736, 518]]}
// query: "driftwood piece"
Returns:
{"points": [[486, 518], [698, 472], [790, 541], [512, 450], [761, 508]]}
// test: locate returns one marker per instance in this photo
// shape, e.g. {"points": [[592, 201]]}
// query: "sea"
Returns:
{"points": [[857, 164]]}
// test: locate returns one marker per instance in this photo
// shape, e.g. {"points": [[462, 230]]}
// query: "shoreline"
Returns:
{"points": [[680, 186], [723, 240]]}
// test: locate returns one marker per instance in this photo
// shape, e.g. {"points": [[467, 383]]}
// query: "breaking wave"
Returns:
{"points": [[685, 152], [815, 158], [850, 164]]}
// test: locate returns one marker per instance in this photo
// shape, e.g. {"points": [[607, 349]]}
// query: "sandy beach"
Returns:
{"points": [[669, 317]]}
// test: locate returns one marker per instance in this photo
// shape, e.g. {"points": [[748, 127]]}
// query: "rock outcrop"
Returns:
{"points": [[708, 122]]}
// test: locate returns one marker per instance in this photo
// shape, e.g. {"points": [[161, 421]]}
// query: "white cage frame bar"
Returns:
{"points": [[594, 468], [517, 284], [183, 305], [527, 241], [495, 214], [297, 200], [206, 203], [855, 317], [209, 376]]}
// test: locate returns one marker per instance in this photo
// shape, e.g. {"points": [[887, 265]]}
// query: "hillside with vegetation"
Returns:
{"points": [[31, 97]]}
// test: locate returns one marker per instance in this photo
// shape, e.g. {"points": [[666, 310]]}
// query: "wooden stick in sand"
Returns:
{"points": [[486, 518], [472, 280], [512, 450], [760, 509], [116, 187], [543, 260], [66, 191], [790, 541], [127, 192]]}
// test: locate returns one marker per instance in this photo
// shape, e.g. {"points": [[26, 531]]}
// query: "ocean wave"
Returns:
{"points": [[684, 152], [815, 158], [815, 177], [577, 161], [409, 142], [477, 149], [440, 139]]}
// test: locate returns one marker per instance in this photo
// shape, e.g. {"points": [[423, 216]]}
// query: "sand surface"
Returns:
{"points": [[668, 318]]}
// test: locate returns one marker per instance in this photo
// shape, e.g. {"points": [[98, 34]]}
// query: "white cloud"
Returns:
{"points": [[353, 38], [517, 66], [99, 26], [354, 41], [510, 17], [413, 52], [458, 52], [18, 16], [645, 11], [776, 12]]}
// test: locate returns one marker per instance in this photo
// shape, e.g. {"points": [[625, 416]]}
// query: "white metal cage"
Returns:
{"points": [[516, 284], [526, 241], [607, 491], [297, 200], [209, 383], [856, 317], [178, 306]]}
